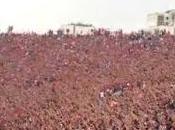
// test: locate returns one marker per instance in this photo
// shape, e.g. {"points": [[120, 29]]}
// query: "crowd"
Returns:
{"points": [[109, 80]]}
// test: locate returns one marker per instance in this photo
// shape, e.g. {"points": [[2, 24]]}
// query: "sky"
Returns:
{"points": [[42, 15]]}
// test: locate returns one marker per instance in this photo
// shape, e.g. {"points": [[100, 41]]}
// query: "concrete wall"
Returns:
{"points": [[81, 30], [71, 29], [169, 29]]}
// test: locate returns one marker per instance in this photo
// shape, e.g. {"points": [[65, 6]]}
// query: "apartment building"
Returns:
{"points": [[162, 21]]}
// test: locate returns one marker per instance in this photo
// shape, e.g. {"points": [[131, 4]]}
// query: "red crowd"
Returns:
{"points": [[98, 82]]}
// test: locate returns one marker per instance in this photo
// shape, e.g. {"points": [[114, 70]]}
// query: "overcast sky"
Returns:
{"points": [[40, 15]]}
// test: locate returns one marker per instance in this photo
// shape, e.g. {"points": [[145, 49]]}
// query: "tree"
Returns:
{"points": [[50, 33], [67, 31], [59, 33], [10, 29]]}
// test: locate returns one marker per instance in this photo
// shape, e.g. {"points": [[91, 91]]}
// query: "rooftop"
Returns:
{"points": [[170, 11], [81, 24]]}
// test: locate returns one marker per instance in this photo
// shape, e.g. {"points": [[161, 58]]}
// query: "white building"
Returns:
{"points": [[154, 20], [78, 29], [162, 21]]}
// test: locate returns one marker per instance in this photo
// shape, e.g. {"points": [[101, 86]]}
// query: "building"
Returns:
{"points": [[169, 18], [78, 29], [154, 20], [162, 21]]}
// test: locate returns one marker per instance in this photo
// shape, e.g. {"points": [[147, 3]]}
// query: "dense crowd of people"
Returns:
{"points": [[105, 81]]}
